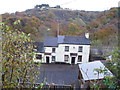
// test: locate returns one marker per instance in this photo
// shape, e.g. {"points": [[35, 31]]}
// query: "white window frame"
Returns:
{"points": [[66, 58], [54, 58], [80, 49], [79, 58]]}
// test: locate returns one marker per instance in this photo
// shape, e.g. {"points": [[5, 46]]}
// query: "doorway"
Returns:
{"points": [[47, 60], [73, 60]]}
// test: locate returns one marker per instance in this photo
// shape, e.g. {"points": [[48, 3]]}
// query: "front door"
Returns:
{"points": [[47, 60], [73, 60]]}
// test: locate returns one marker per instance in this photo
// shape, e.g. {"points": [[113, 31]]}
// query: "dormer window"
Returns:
{"points": [[80, 49], [67, 48]]}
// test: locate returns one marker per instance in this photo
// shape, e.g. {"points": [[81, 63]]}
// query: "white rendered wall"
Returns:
{"points": [[60, 52], [49, 50], [73, 49]]}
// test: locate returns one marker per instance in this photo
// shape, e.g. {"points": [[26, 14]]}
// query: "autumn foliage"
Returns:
{"points": [[100, 25]]}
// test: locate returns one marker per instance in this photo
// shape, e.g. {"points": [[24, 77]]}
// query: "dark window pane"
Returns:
{"points": [[79, 58], [66, 57], [53, 50], [66, 48], [38, 56], [80, 49], [53, 58]]}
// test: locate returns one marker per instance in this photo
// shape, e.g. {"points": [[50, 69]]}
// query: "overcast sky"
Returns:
{"points": [[88, 5]]}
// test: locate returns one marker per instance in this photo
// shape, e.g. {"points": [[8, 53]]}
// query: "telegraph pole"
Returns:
{"points": [[58, 29]]}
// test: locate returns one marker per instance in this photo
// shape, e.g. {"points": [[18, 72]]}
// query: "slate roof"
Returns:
{"points": [[73, 40], [50, 42], [39, 47], [54, 41], [60, 74]]}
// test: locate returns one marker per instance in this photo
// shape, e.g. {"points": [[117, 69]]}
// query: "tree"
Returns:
{"points": [[17, 63], [73, 29], [114, 67]]}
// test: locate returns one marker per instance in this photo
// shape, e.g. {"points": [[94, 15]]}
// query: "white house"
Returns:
{"points": [[64, 49]]}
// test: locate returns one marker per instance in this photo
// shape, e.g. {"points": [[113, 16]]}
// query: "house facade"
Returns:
{"points": [[64, 49]]}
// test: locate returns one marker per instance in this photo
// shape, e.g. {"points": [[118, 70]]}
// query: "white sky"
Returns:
{"points": [[88, 5]]}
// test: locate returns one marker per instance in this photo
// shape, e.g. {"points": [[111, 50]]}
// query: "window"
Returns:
{"points": [[66, 57], [80, 49], [53, 58], [66, 48], [38, 56], [28, 56], [80, 58], [53, 50]]}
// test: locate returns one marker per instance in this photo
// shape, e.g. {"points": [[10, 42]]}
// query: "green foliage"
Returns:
{"points": [[43, 17], [114, 67], [109, 82], [73, 29], [97, 84], [114, 64], [17, 62], [17, 22], [41, 84], [101, 70]]}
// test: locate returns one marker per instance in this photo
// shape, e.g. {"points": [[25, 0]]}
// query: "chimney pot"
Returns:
{"points": [[87, 35]]}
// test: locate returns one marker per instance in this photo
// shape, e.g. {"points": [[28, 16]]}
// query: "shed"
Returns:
{"points": [[87, 73], [88, 70]]}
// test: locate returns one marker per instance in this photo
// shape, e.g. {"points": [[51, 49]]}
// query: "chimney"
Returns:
{"points": [[87, 35]]}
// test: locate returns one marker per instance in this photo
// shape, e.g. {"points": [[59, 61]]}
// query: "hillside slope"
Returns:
{"points": [[42, 22]]}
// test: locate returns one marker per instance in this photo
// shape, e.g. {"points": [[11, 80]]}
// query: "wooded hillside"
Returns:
{"points": [[45, 21]]}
